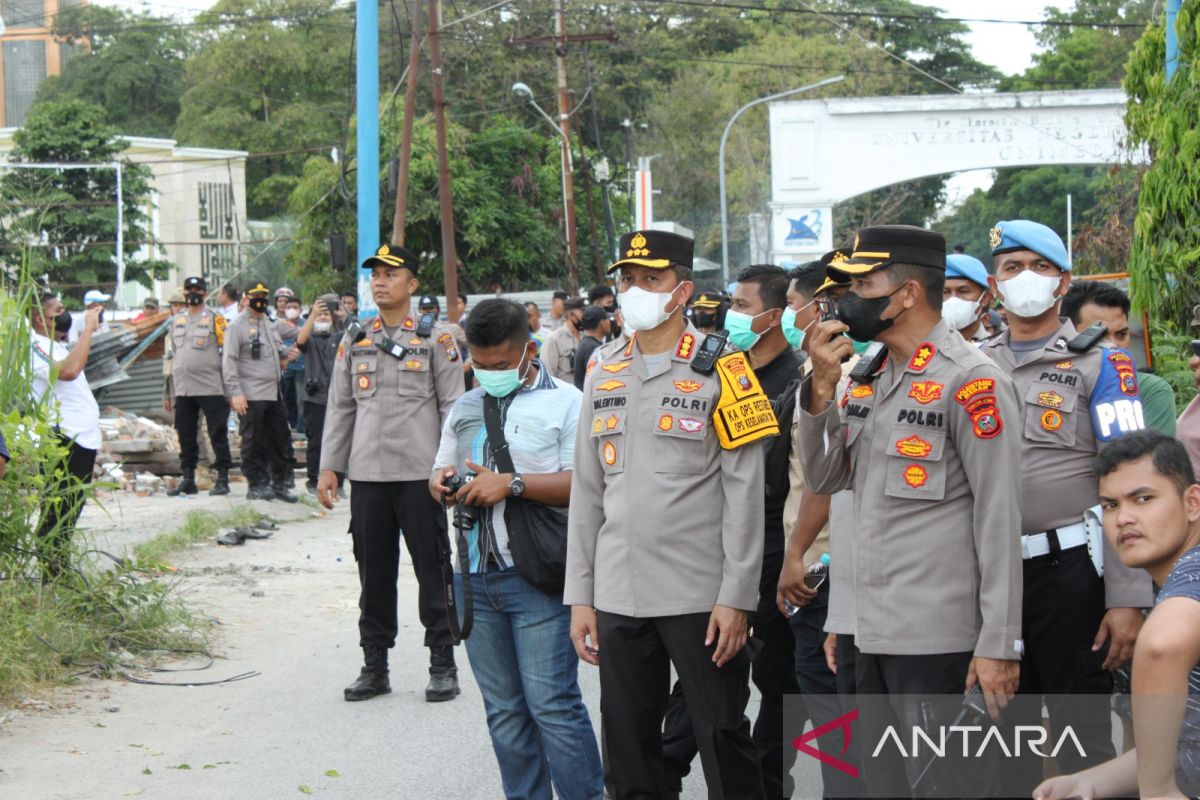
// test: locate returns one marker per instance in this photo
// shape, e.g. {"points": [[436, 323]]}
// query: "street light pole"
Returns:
{"points": [[523, 90], [721, 161]]}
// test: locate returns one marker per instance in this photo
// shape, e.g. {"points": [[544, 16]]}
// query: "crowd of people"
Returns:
{"points": [[892, 471]]}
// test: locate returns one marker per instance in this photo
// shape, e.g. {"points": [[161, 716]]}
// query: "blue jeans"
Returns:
{"points": [[527, 671]]}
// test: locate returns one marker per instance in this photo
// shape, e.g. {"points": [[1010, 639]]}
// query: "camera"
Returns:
{"points": [[464, 514]]}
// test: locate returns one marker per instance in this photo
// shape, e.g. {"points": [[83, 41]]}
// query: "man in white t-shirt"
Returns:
{"points": [[58, 380]]}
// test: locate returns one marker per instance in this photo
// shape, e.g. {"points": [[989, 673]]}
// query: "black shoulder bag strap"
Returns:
{"points": [[495, 434]]}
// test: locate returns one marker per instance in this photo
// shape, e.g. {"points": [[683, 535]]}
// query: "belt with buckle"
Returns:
{"points": [[1034, 545]]}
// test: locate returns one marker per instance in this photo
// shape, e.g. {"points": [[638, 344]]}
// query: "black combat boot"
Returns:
{"points": [[260, 491], [443, 675], [373, 679], [186, 486], [280, 491], [221, 484]]}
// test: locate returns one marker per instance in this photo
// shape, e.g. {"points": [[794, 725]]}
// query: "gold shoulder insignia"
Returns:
{"points": [[743, 413], [219, 325]]}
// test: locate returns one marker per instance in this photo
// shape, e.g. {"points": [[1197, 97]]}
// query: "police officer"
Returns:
{"points": [[665, 536], [558, 352], [252, 359], [197, 337], [1075, 393], [922, 438], [392, 388], [704, 312], [967, 297]]}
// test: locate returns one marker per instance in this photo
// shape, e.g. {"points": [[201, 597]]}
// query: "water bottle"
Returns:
{"points": [[816, 575]]}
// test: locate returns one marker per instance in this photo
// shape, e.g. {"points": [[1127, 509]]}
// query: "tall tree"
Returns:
{"points": [[66, 220], [273, 77], [129, 63]]}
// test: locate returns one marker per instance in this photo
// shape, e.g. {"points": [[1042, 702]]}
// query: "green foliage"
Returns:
{"points": [[275, 88], [66, 220], [1163, 116], [134, 69], [508, 205], [1172, 351], [197, 526]]}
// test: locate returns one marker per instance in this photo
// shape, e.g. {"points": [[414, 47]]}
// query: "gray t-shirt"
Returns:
{"points": [[1184, 581]]}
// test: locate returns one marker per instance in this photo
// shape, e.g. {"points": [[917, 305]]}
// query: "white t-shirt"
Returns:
{"points": [[230, 312], [77, 321], [76, 411]]}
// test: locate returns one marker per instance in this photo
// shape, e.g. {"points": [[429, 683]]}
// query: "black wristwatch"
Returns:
{"points": [[516, 487]]}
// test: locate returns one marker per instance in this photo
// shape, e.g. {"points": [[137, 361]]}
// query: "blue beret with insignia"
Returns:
{"points": [[1023, 234], [961, 265]]}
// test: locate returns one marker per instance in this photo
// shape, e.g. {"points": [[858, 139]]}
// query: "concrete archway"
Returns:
{"points": [[827, 151]]}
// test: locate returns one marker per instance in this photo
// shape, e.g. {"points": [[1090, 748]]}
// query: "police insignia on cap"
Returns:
{"points": [[637, 246], [382, 251], [994, 237]]}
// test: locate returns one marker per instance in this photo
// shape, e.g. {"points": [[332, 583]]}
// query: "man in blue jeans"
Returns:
{"points": [[519, 646]]}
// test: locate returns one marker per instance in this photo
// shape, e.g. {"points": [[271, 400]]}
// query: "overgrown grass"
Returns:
{"points": [[103, 619], [198, 526]]}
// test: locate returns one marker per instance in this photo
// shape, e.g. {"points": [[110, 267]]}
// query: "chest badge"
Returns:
{"points": [[925, 392], [1051, 420], [922, 357], [689, 425], [666, 422], [859, 391], [914, 447], [615, 368], [412, 363], [915, 476], [610, 453], [1050, 399], [1065, 365], [612, 422], [364, 382], [610, 385], [688, 386]]}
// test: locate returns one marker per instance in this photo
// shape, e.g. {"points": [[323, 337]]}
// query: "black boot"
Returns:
{"points": [[280, 491], [443, 675], [260, 491], [373, 679], [186, 486], [221, 484]]}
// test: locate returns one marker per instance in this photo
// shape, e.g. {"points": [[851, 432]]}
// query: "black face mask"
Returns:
{"points": [[862, 315], [194, 298], [704, 319], [258, 304], [62, 323]]}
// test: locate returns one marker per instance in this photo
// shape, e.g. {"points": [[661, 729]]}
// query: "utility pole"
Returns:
{"points": [[410, 104], [449, 254], [367, 139], [591, 210], [564, 124], [608, 215], [560, 40]]}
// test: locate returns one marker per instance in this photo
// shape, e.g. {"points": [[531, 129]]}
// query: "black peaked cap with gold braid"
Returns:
{"points": [[880, 246], [258, 287], [393, 255], [654, 249]]}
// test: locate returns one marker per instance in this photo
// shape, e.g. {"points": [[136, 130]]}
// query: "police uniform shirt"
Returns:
{"points": [[75, 410], [384, 414], [558, 354], [664, 519], [1071, 403], [929, 448], [253, 378], [196, 354]]}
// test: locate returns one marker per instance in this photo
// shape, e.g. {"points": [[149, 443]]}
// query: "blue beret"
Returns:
{"points": [[960, 265], [1023, 234]]}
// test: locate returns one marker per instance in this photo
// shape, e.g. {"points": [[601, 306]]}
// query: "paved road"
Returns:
{"points": [[287, 609]]}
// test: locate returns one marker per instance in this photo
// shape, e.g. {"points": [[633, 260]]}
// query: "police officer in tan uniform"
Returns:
{"points": [[926, 440], [392, 387], [197, 337], [1076, 392], [665, 536], [558, 351], [252, 360]]}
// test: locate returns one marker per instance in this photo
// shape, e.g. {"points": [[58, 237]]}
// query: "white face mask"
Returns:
{"points": [[292, 313], [322, 327], [960, 313], [1029, 295], [644, 310]]}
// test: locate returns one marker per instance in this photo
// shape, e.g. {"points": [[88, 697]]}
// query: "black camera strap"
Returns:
{"points": [[458, 630]]}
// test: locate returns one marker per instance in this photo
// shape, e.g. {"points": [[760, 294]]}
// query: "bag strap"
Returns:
{"points": [[458, 631], [495, 434]]}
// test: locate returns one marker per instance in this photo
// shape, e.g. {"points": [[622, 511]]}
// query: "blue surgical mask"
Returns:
{"points": [[794, 335], [739, 327], [501, 382]]}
